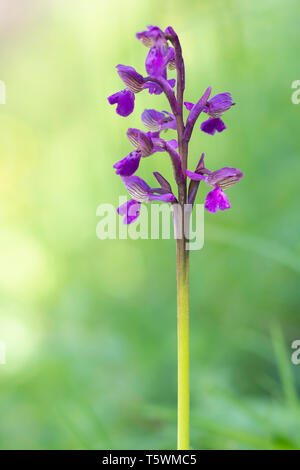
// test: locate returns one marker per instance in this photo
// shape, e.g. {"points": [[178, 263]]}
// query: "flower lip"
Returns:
{"points": [[124, 100], [128, 165], [130, 210], [212, 125], [216, 200]]}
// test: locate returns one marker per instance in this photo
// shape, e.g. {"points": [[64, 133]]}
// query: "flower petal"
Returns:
{"points": [[141, 141], [130, 210], [155, 89], [218, 104], [124, 100], [213, 125], [156, 121], [225, 177], [168, 197], [195, 176], [132, 79], [128, 165], [137, 188], [216, 200], [153, 35], [155, 61], [188, 105]]}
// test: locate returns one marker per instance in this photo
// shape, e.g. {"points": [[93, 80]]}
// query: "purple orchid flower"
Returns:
{"points": [[125, 98], [215, 107], [220, 180], [140, 192], [144, 144], [148, 142]]}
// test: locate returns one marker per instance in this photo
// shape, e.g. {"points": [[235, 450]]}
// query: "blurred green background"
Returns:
{"points": [[90, 325]]}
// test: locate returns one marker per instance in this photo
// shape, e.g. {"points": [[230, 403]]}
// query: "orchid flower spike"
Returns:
{"points": [[164, 54]]}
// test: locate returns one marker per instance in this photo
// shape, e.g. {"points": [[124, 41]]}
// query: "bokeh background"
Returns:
{"points": [[90, 325]]}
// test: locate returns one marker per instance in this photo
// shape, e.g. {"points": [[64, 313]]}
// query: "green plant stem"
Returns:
{"points": [[183, 345], [182, 269]]}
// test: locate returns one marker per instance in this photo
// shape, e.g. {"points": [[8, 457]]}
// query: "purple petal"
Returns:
{"points": [[140, 141], [195, 176], [155, 62], [216, 200], [169, 197], [152, 36], [225, 177], [170, 58], [188, 105], [128, 165], [132, 79], [125, 102], [156, 121], [152, 119], [137, 188], [130, 210], [218, 104], [168, 121], [155, 89], [213, 125]]}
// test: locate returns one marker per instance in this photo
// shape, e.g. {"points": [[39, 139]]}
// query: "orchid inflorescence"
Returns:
{"points": [[165, 54]]}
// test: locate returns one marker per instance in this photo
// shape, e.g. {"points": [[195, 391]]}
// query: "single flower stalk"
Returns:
{"points": [[165, 55]]}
